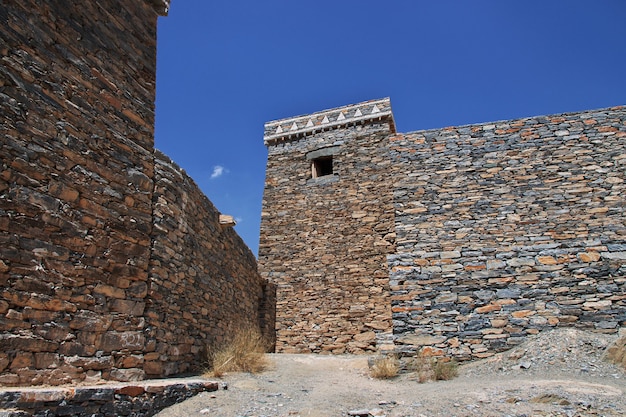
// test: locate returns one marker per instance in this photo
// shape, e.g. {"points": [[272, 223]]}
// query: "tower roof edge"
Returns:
{"points": [[294, 127]]}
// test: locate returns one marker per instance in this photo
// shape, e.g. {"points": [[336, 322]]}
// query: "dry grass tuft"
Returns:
{"points": [[445, 370], [431, 369], [385, 367], [616, 353], [244, 353]]}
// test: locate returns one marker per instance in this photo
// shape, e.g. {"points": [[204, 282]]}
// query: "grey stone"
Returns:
{"points": [[508, 293], [485, 295]]}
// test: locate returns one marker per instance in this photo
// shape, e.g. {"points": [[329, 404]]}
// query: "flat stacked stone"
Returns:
{"points": [[501, 230], [324, 240], [113, 264]]}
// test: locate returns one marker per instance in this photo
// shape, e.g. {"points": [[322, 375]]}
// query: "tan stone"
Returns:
{"points": [[152, 356], [379, 325], [23, 360], [553, 321], [598, 305], [588, 256], [488, 308], [429, 352], [499, 322], [523, 313], [91, 321], [546, 260], [505, 302], [109, 291], [365, 337]]}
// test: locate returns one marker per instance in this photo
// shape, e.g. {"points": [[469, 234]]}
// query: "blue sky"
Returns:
{"points": [[225, 68]]}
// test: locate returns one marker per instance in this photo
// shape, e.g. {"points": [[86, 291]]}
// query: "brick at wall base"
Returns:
{"points": [[142, 400]]}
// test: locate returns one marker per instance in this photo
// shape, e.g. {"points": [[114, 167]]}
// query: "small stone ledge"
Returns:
{"points": [[327, 179], [162, 7], [141, 399]]}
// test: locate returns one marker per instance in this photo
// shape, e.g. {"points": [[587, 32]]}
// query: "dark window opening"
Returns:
{"points": [[322, 166]]}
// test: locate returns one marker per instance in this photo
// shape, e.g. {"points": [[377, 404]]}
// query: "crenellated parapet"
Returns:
{"points": [[295, 127]]}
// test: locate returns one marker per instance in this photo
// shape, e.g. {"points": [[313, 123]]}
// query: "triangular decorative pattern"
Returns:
{"points": [[294, 127]]}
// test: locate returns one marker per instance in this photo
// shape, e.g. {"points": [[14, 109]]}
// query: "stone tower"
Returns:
{"points": [[327, 227]]}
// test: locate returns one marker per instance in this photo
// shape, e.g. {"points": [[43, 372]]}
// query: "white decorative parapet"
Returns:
{"points": [[294, 127]]}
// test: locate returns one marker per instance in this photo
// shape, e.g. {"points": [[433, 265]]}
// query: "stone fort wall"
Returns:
{"points": [[505, 229], [500, 230], [112, 261]]}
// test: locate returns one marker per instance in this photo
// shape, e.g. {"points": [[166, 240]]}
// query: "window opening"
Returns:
{"points": [[322, 166]]}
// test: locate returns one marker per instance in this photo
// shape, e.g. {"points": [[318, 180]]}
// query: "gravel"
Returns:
{"points": [[556, 373]]}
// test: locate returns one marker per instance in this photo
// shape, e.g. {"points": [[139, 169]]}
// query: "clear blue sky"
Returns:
{"points": [[226, 67]]}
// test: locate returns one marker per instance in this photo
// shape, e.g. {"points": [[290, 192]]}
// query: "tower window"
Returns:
{"points": [[322, 162], [322, 166]]}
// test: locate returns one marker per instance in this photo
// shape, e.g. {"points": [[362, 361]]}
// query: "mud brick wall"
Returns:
{"points": [[324, 240], [204, 283], [505, 229], [85, 241]]}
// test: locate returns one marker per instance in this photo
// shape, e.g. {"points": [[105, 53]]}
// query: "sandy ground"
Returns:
{"points": [[558, 373]]}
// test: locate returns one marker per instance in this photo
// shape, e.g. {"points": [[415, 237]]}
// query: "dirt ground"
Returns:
{"points": [[558, 373]]}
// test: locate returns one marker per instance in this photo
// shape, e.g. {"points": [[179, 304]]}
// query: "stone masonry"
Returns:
{"points": [[139, 399], [113, 265], [325, 238], [499, 230]]}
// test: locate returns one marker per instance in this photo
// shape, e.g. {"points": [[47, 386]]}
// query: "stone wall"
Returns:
{"points": [[76, 182], [142, 399], [501, 230], [324, 240], [508, 228], [85, 285], [204, 284]]}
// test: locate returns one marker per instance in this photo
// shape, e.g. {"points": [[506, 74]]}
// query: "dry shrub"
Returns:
{"points": [[616, 353], [431, 369], [245, 352], [445, 370], [422, 367], [385, 367]]}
